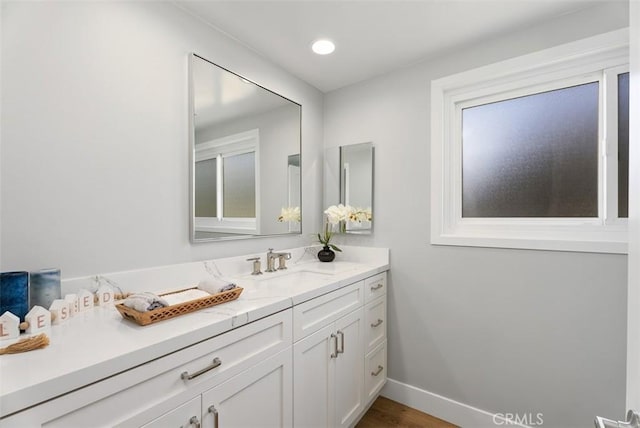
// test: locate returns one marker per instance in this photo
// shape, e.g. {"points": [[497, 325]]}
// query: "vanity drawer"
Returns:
{"points": [[311, 316], [375, 287], [375, 375], [375, 316], [142, 393]]}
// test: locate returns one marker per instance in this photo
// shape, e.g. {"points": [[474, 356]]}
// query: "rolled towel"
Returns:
{"points": [[144, 302], [215, 285]]}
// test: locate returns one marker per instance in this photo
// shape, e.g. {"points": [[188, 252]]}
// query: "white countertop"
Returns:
{"points": [[99, 343]]}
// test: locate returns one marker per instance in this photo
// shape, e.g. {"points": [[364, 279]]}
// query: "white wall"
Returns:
{"points": [[94, 167], [507, 331]]}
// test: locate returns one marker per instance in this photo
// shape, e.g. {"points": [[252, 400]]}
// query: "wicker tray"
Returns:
{"points": [[160, 314]]}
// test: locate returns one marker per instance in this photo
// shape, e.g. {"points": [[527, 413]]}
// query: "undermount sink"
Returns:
{"points": [[290, 276]]}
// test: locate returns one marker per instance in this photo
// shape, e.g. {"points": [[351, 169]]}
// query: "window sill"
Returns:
{"points": [[594, 241]]}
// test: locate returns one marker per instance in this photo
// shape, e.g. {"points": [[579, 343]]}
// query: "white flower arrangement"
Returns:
{"points": [[291, 214], [339, 215]]}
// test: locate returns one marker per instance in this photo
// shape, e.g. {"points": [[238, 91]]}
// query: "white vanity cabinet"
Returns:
{"points": [[318, 363], [246, 363], [332, 337]]}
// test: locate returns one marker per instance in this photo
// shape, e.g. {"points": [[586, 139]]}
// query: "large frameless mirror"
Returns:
{"points": [[245, 157]]}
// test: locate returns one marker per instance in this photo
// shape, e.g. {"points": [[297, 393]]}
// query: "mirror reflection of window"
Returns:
{"points": [[206, 188], [225, 184], [239, 185]]}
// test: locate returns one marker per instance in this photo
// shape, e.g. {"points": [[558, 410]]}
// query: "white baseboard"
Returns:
{"points": [[444, 408]]}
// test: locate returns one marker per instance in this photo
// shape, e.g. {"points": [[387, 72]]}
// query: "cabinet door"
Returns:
{"points": [[349, 384], [313, 384], [258, 397], [184, 416]]}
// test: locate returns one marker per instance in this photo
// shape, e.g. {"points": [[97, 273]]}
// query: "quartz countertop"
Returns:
{"points": [[99, 343]]}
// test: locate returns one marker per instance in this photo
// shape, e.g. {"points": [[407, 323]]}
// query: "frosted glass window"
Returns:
{"points": [[239, 186], [205, 188], [623, 145], [532, 156]]}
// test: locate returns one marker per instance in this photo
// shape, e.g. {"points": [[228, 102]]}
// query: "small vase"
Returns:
{"points": [[326, 254]]}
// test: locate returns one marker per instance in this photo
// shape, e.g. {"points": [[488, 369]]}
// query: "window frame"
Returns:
{"points": [[220, 148], [587, 60]]}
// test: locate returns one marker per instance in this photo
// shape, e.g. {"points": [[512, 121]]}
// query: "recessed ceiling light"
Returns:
{"points": [[323, 47]]}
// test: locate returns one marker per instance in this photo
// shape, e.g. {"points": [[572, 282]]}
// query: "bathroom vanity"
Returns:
{"points": [[304, 346]]}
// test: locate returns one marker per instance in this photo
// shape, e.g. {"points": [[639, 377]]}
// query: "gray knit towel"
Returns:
{"points": [[143, 302]]}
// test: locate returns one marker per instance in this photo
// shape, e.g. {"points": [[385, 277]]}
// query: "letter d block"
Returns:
{"points": [[105, 295]]}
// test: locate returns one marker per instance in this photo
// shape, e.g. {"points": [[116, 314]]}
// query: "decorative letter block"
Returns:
{"points": [[59, 311], [9, 326], [39, 319], [105, 295], [85, 300], [72, 301]]}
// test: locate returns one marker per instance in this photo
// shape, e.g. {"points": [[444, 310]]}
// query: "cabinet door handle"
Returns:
{"points": [[216, 363], [194, 421], [341, 349], [377, 287], [377, 372], [334, 339], [213, 410], [377, 323]]}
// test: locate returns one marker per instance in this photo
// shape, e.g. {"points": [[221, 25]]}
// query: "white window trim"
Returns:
{"points": [[240, 143], [545, 69]]}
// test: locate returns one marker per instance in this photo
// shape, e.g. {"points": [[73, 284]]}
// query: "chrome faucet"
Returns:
{"points": [[256, 265], [282, 260], [271, 258]]}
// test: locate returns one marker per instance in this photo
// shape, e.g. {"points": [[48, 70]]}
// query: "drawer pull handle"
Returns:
{"points": [[216, 363], [377, 323], [377, 287], [334, 354], [213, 410], [377, 372], [194, 421], [341, 349]]}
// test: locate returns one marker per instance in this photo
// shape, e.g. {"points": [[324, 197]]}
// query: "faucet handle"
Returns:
{"points": [[256, 265]]}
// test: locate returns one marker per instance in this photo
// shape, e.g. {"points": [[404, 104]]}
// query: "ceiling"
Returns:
{"points": [[372, 37]]}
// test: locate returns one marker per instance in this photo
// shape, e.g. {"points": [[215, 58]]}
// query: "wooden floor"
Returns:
{"points": [[386, 413]]}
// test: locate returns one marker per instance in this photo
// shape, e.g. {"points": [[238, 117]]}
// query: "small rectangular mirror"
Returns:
{"points": [[348, 180], [245, 157]]}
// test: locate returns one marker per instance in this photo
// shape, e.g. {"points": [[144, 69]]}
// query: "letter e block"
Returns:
{"points": [[39, 319], [85, 300]]}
